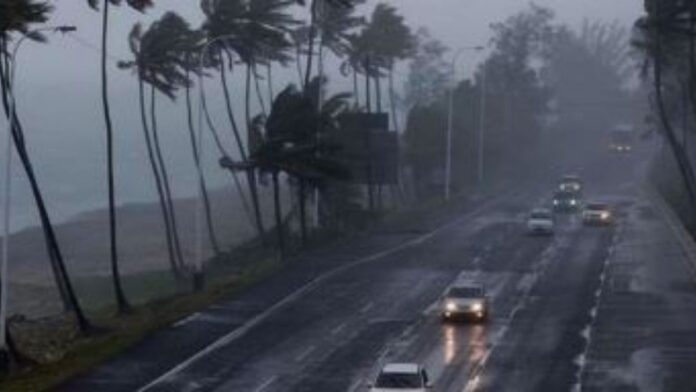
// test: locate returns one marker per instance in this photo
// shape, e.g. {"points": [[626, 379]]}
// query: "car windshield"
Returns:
{"points": [[597, 207], [541, 215], [399, 380], [465, 292], [565, 195]]}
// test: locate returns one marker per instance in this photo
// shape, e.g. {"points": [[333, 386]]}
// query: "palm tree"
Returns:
{"points": [[256, 32], [140, 5], [162, 60], [17, 16], [661, 44]]}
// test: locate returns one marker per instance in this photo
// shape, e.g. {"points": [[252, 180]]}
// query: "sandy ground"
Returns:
{"points": [[141, 240]]}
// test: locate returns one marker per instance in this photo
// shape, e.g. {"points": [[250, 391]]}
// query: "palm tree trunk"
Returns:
{"points": [[61, 275], [392, 101], [224, 153], [356, 93], [251, 174], [298, 65], [303, 209], [165, 179], [242, 151], [378, 90], [173, 261], [259, 96], [278, 215], [312, 36], [368, 94], [269, 80], [18, 138], [201, 178], [121, 302]]}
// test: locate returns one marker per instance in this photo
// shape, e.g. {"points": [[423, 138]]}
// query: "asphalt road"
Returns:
{"points": [[567, 313]]}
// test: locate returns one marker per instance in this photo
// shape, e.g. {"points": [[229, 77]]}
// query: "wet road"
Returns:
{"points": [[568, 312]]}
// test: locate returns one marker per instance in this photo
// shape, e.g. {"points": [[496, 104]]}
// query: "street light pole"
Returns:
{"points": [[7, 183], [482, 120], [450, 122]]}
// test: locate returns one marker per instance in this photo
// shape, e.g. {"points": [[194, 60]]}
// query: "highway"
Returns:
{"points": [[590, 308]]}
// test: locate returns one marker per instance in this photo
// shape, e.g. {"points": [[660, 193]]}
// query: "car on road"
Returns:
{"points": [[465, 299], [540, 221], [566, 201], [597, 214], [570, 183], [402, 377], [622, 139]]}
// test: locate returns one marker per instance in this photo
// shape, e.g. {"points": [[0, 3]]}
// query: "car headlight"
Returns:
{"points": [[573, 202], [605, 215], [555, 202], [477, 307], [450, 306]]}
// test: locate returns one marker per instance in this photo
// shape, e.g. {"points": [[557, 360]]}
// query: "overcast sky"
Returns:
{"points": [[58, 87]]}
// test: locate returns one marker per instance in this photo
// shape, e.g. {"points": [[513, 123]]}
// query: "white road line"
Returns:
{"points": [[304, 354], [235, 334], [266, 384], [355, 386], [367, 307], [338, 329], [186, 320]]}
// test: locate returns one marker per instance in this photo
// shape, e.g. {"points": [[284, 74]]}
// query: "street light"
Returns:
{"points": [[448, 158], [4, 280]]}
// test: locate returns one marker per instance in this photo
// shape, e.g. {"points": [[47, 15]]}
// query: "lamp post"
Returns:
{"points": [[450, 121], [7, 183], [482, 120]]}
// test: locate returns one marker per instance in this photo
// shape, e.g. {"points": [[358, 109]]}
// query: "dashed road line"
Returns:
{"points": [[304, 354], [367, 307], [266, 384], [338, 328]]}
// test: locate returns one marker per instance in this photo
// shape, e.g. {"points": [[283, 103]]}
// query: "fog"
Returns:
{"points": [[58, 94]]}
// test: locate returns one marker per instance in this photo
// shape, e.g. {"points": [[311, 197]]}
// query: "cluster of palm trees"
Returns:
{"points": [[285, 140]]}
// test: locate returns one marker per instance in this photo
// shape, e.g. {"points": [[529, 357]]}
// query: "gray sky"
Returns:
{"points": [[58, 90]]}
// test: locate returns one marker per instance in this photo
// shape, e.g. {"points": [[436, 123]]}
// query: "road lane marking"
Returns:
{"points": [[367, 307], [304, 354], [235, 334], [266, 384]]}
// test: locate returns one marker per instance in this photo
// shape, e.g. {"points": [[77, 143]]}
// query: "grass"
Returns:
{"points": [[115, 334]]}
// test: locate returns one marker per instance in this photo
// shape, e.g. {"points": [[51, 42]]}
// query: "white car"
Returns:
{"points": [[465, 299], [540, 221], [402, 377], [597, 214]]}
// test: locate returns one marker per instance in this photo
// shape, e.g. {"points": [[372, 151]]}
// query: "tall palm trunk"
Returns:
{"points": [[378, 91], [269, 80], [251, 174], [370, 190], [302, 197], [251, 180], [201, 178], [312, 37], [165, 178], [278, 215], [356, 92], [298, 65], [392, 101], [259, 95], [224, 153], [17, 134], [70, 300], [173, 260], [121, 302]]}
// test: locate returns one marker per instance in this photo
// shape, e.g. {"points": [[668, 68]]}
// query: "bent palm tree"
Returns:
{"points": [[140, 5], [17, 16]]}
